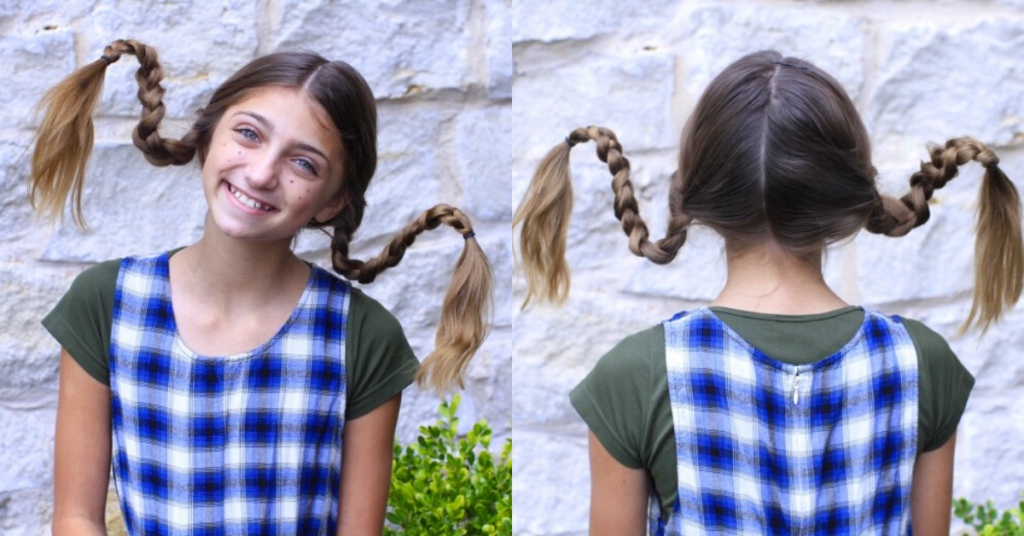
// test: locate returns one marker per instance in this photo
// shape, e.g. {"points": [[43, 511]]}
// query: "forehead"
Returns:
{"points": [[292, 116]]}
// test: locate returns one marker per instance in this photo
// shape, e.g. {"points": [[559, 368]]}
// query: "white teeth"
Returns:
{"points": [[246, 200]]}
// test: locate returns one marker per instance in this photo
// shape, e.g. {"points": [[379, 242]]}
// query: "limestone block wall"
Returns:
{"points": [[442, 75], [918, 71]]}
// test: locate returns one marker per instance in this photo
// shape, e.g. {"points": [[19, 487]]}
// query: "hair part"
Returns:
{"points": [[65, 138]]}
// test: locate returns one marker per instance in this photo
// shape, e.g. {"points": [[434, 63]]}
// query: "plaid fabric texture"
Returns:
{"points": [[765, 447], [245, 444]]}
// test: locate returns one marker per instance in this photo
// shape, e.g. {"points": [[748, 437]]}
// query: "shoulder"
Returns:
{"points": [[81, 321], [99, 277], [93, 288], [931, 346], [616, 397], [635, 355], [372, 318]]}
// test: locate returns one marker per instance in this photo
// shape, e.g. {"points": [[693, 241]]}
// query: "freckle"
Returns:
{"points": [[291, 182]]}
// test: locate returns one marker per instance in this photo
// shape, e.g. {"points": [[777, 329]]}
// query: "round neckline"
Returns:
{"points": [[163, 266], [786, 318], [764, 358]]}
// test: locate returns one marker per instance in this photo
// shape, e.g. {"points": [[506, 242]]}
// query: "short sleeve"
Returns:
{"points": [[615, 398], [81, 321], [378, 359], [944, 387]]}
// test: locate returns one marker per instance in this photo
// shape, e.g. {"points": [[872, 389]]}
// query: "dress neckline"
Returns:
{"points": [[822, 363], [163, 271]]}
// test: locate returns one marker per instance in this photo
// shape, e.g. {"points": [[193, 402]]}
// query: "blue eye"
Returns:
{"points": [[307, 165], [248, 133]]}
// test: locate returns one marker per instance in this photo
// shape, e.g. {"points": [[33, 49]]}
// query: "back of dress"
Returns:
{"points": [[766, 447]]}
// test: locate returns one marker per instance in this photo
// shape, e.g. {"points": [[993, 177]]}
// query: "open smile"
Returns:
{"points": [[248, 201]]}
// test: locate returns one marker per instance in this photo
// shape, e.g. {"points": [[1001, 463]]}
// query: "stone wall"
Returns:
{"points": [[446, 75], [918, 71], [442, 74]]}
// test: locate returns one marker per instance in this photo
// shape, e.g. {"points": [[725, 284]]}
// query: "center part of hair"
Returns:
{"points": [[251, 203]]}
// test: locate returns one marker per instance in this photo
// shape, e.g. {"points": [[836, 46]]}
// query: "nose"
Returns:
{"points": [[262, 171]]}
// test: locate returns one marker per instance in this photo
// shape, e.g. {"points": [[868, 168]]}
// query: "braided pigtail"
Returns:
{"points": [[65, 137], [545, 210], [998, 251], [467, 304]]}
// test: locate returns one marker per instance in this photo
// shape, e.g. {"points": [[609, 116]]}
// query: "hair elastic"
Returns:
{"points": [[108, 58], [802, 68], [469, 235], [569, 142]]}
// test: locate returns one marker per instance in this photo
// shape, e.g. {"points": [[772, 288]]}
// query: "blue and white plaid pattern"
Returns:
{"points": [[765, 447], [245, 444]]}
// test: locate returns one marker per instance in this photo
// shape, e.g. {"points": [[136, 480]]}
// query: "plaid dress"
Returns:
{"points": [[765, 447], [244, 444]]}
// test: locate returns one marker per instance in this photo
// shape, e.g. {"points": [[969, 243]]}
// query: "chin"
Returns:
{"points": [[241, 231]]}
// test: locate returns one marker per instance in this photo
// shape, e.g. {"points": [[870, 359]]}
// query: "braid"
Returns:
{"points": [[367, 271], [626, 209], [158, 151], [998, 252], [463, 325], [545, 209], [893, 218]]}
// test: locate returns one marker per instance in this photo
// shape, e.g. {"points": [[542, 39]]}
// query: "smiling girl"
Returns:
{"points": [[230, 378]]}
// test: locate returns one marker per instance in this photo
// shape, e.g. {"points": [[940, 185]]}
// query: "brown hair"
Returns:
{"points": [[775, 150], [65, 137]]}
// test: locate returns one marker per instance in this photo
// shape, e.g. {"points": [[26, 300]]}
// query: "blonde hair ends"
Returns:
{"points": [[998, 251], [64, 142], [544, 214], [464, 324]]}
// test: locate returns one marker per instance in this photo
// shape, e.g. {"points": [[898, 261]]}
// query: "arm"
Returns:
{"points": [[618, 495], [932, 491], [367, 450], [81, 452]]}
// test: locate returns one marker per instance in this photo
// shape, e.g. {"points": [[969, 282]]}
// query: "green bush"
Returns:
{"points": [[987, 521], [442, 484]]}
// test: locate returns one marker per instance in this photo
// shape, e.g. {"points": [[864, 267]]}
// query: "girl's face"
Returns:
{"points": [[273, 165]]}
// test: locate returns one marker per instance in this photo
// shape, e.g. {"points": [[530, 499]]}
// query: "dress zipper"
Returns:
{"points": [[796, 388]]}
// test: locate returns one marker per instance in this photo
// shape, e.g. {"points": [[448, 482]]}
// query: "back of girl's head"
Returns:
{"points": [[64, 143], [774, 151]]}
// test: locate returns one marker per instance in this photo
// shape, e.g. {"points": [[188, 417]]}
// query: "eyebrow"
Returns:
{"points": [[270, 128]]}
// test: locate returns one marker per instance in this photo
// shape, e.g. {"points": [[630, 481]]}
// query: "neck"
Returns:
{"points": [[238, 273], [766, 279]]}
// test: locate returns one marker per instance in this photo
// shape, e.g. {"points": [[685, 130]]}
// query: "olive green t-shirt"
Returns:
{"points": [[379, 363], [625, 399]]}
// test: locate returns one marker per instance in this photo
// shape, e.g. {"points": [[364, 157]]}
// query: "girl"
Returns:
{"points": [[778, 409], [232, 377]]}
